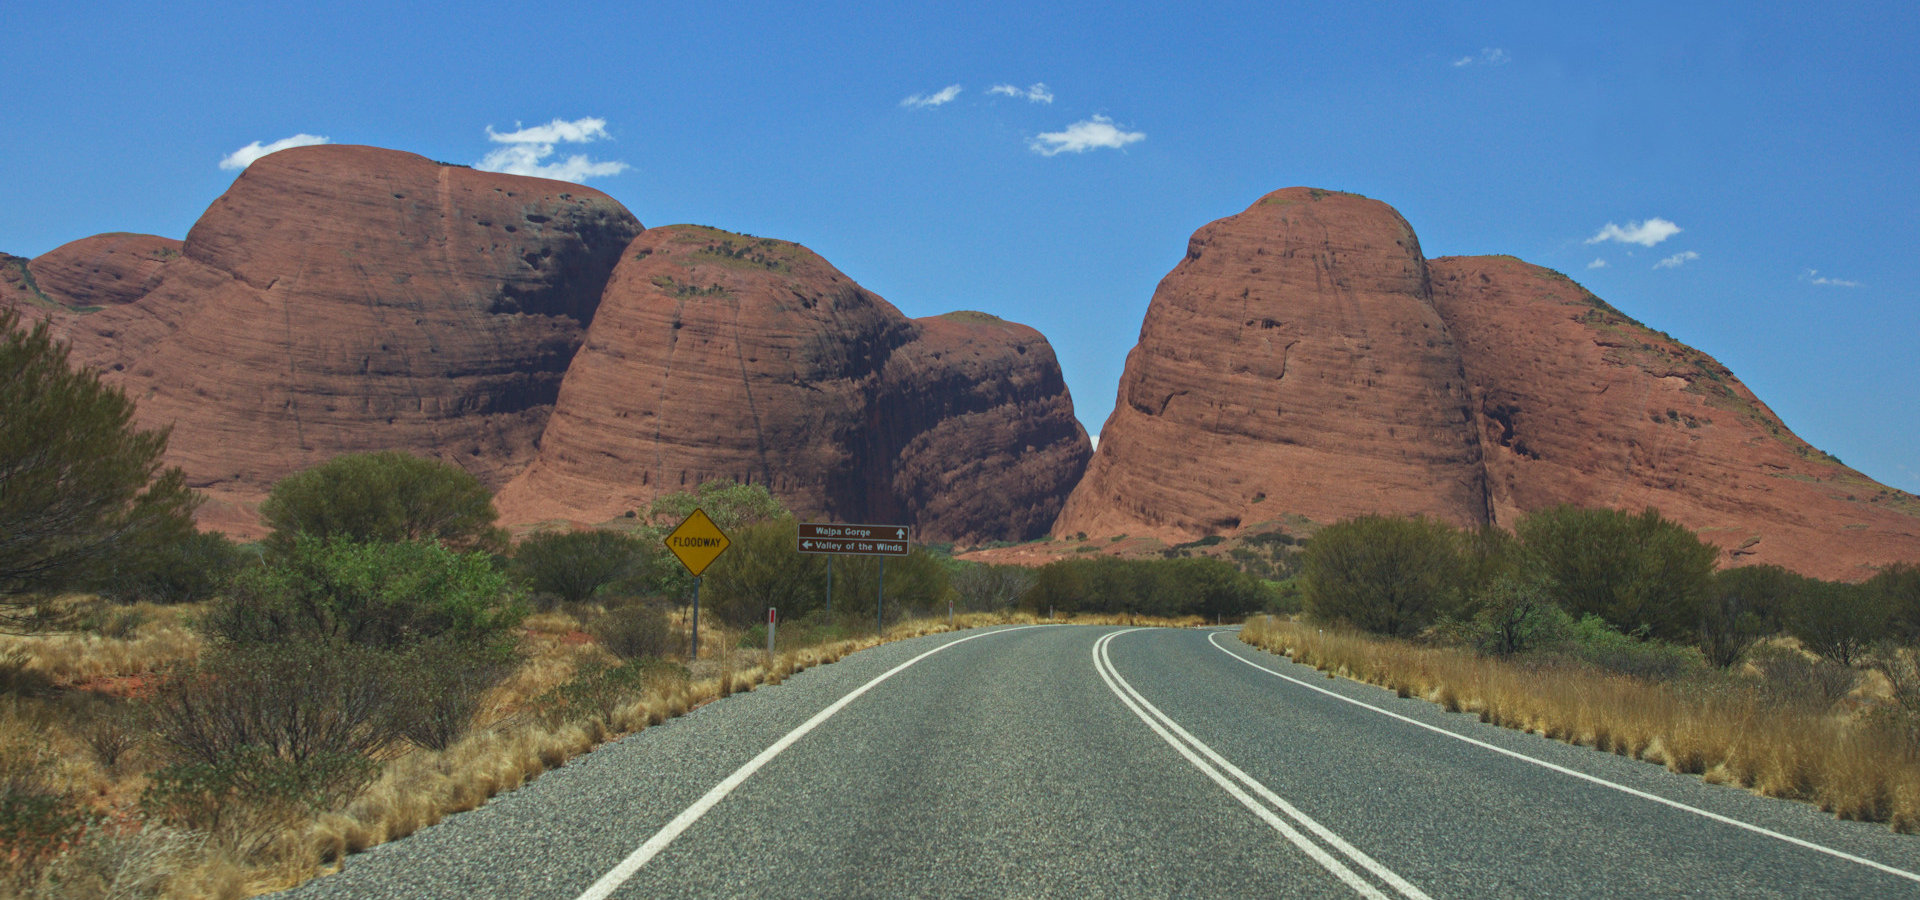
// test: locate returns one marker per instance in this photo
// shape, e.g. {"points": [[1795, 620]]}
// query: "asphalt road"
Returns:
{"points": [[1078, 761]]}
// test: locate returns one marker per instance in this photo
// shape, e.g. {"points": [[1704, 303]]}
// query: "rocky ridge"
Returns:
{"points": [[719, 355]]}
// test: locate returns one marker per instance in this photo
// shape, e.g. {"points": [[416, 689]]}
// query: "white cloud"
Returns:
{"points": [[526, 150], [1087, 134], [1646, 234], [1677, 260], [1038, 93], [1813, 276], [1489, 56], [928, 101], [244, 157], [1597, 264]]}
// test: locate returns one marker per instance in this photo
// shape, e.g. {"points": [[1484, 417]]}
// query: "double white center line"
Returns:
{"points": [[1226, 774]]}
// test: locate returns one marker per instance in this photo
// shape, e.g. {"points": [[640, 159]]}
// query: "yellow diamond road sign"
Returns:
{"points": [[698, 542]]}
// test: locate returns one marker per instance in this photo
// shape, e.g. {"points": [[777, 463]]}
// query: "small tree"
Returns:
{"points": [[383, 595], [386, 496], [78, 483], [1384, 575], [731, 505], [1515, 615], [763, 569], [576, 565]]}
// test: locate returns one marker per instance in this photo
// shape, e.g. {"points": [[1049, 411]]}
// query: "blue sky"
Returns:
{"points": [[1779, 140]]}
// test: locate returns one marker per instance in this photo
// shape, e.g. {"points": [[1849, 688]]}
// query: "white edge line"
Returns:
{"points": [[1392, 878], [1798, 842], [1299, 840], [619, 874]]}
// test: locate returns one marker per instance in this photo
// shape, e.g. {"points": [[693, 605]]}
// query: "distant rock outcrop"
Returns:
{"points": [[338, 299], [1577, 403], [1291, 363], [1305, 360], [717, 355]]}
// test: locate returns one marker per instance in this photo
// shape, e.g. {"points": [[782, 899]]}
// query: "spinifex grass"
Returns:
{"points": [[1843, 763]]}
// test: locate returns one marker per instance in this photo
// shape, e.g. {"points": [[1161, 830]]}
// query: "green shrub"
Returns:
{"points": [[197, 567], [574, 566], [1635, 571], [1596, 642], [1157, 587], [986, 588], [374, 594], [1789, 676], [1384, 575], [386, 496]]}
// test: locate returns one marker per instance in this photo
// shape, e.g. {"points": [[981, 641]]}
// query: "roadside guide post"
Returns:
{"points": [[771, 617], [697, 542]]}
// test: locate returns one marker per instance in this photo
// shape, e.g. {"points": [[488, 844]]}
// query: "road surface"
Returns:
{"points": [[1092, 761]]}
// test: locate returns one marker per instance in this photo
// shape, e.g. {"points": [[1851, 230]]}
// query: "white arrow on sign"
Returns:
{"points": [[901, 534], [806, 543]]}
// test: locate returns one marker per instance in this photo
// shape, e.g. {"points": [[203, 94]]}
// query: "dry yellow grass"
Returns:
{"points": [[1838, 762], [510, 744]]}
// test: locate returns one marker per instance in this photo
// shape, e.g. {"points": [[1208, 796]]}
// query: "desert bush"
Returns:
{"points": [[1382, 574], [1898, 589], [37, 818], [388, 496], [1153, 587], [1596, 642], [1741, 606], [762, 570], [126, 862], [78, 483], [1790, 676], [111, 730], [987, 588], [374, 594], [197, 567], [1513, 614], [440, 683], [1635, 571], [574, 566], [297, 701], [597, 691], [633, 630], [1836, 620], [252, 796]]}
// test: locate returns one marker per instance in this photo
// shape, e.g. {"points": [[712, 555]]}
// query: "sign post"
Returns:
{"points": [[697, 542], [861, 540]]}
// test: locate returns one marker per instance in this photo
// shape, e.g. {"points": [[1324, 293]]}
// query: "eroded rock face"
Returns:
{"points": [[1304, 360], [1292, 363], [103, 270], [717, 355], [1577, 403], [339, 299]]}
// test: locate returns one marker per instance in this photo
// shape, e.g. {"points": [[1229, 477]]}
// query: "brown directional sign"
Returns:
{"points": [[697, 542], [863, 540]]}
